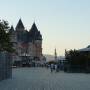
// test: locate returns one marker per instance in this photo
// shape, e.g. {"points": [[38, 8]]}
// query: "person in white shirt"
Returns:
{"points": [[51, 67]]}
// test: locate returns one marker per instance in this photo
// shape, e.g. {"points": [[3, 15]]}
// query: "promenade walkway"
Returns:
{"points": [[43, 79]]}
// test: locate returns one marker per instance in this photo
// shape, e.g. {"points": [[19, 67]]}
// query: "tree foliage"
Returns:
{"points": [[76, 59], [5, 44]]}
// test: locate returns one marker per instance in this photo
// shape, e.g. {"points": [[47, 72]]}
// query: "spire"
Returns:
{"points": [[34, 33], [34, 27], [55, 54], [20, 25]]}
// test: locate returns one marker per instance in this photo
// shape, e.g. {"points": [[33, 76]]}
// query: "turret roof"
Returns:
{"points": [[34, 33], [20, 24], [34, 28], [11, 29]]}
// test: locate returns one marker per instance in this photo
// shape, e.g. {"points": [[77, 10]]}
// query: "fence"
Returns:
{"points": [[5, 66]]}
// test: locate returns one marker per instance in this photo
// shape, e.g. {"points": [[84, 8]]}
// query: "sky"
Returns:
{"points": [[64, 24]]}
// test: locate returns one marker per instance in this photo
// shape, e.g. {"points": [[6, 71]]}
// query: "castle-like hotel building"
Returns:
{"points": [[27, 44]]}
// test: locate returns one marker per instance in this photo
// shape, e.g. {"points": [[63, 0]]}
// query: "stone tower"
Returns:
{"points": [[36, 39], [13, 37]]}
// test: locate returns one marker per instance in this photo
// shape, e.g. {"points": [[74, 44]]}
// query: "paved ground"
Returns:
{"points": [[43, 79]]}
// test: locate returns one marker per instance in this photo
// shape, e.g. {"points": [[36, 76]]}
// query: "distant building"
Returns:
{"points": [[28, 44], [87, 49]]}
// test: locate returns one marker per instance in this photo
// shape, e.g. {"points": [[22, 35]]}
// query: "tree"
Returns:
{"points": [[77, 60], [5, 44]]}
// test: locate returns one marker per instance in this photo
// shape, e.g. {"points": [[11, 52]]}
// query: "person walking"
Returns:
{"points": [[56, 67], [51, 67]]}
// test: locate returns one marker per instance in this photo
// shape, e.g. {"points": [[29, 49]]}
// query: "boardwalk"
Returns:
{"points": [[43, 79]]}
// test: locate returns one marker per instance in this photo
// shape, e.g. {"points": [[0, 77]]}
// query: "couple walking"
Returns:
{"points": [[54, 67]]}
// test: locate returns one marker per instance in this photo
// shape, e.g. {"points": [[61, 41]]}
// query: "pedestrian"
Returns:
{"points": [[51, 67], [56, 68]]}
